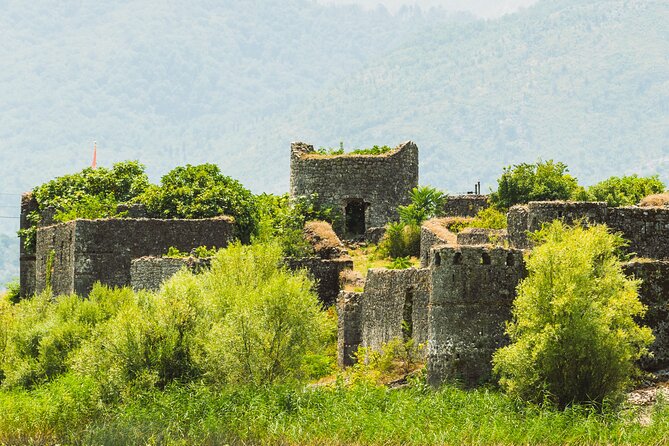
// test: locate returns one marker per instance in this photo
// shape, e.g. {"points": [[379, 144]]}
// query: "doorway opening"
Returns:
{"points": [[355, 217]]}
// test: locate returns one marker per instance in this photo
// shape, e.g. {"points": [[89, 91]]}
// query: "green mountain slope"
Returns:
{"points": [[235, 82], [583, 82]]}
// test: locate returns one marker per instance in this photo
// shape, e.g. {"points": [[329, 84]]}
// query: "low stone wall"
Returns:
{"points": [[481, 236], [82, 252], [434, 233], [149, 273], [326, 274], [473, 289], [465, 205], [349, 327], [654, 293]]}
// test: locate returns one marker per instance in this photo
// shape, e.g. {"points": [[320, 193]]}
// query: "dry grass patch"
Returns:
{"points": [[655, 200]]}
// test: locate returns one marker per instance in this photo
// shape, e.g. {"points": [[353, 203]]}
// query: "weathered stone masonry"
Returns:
{"points": [[26, 258], [364, 189], [473, 289], [393, 305], [81, 252], [149, 273], [646, 228]]}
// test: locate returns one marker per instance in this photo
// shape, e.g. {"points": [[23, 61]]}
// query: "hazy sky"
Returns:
{"points": [[482, 8]]}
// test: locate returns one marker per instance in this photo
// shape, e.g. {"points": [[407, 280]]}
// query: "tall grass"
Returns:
{"points": [[363, 414]]}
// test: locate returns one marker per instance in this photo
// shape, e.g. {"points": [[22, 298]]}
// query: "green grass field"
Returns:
{"points": [[69, 411]]}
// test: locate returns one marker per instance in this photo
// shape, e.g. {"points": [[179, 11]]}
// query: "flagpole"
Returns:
{"points": [[95, 155]]}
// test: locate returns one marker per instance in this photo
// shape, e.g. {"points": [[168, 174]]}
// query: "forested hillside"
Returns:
{"points": [[234, 82]]}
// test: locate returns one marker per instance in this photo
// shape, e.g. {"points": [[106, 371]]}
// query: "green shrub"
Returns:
{"points": [[573, 334], [624, 191], [400, 263], [426, 202], [202, 192], [91, 193], [489, 218], [42, 333], [542, 181], [400, 240], [283, 219], [270, 318]]}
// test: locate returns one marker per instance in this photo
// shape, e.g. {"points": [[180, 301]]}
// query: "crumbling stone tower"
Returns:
{"points": [[364, 190]]}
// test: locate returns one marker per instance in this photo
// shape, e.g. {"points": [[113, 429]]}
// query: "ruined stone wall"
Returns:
{"points": [[26, 258], [465, 205], [149, 273], [482, 236], [102, 250], [433, 233], [383, 182], [532, 216], [646, 228], [349, 327], [393, 299], [326, 273], [472, 293], [654, 293], [517, 220]]}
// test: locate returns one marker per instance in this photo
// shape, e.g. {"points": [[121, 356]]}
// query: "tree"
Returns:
{"points": [[625, 191], [573, 334], [202, 192], [542, 181]]}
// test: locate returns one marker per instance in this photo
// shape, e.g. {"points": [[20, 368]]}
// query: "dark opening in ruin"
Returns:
{"points": [[457, 258], [437, 259], [355, 217], [509, 259], [485, 259], [407, 318]]}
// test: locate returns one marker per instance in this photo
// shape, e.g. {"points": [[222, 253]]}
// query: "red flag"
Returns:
{"points": [[95, 155]]}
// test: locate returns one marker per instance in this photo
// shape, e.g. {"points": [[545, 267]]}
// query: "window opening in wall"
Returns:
{"points": [[407, 318], [437, 259], [457, 258], [509, 259], [485, 259], [355, 217]]}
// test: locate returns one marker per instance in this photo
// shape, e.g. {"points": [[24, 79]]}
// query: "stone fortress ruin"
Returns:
{"points": [[457, 301]]}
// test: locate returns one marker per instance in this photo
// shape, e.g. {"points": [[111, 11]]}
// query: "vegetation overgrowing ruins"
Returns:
{"points": [[359, 308]]}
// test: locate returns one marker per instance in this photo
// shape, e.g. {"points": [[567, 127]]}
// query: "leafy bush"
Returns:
{"points": [[395, 359], [573, 334], [542, 181], [42, 333], [400, 240], [91, 193], [283, 219], [426, 202], [489, 218], [200, 252], [625, 191], [202, 192], [400, 263]]}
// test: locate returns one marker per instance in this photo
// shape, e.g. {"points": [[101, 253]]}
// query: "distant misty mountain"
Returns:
{"points": [[235, 82], [480, 8]]}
